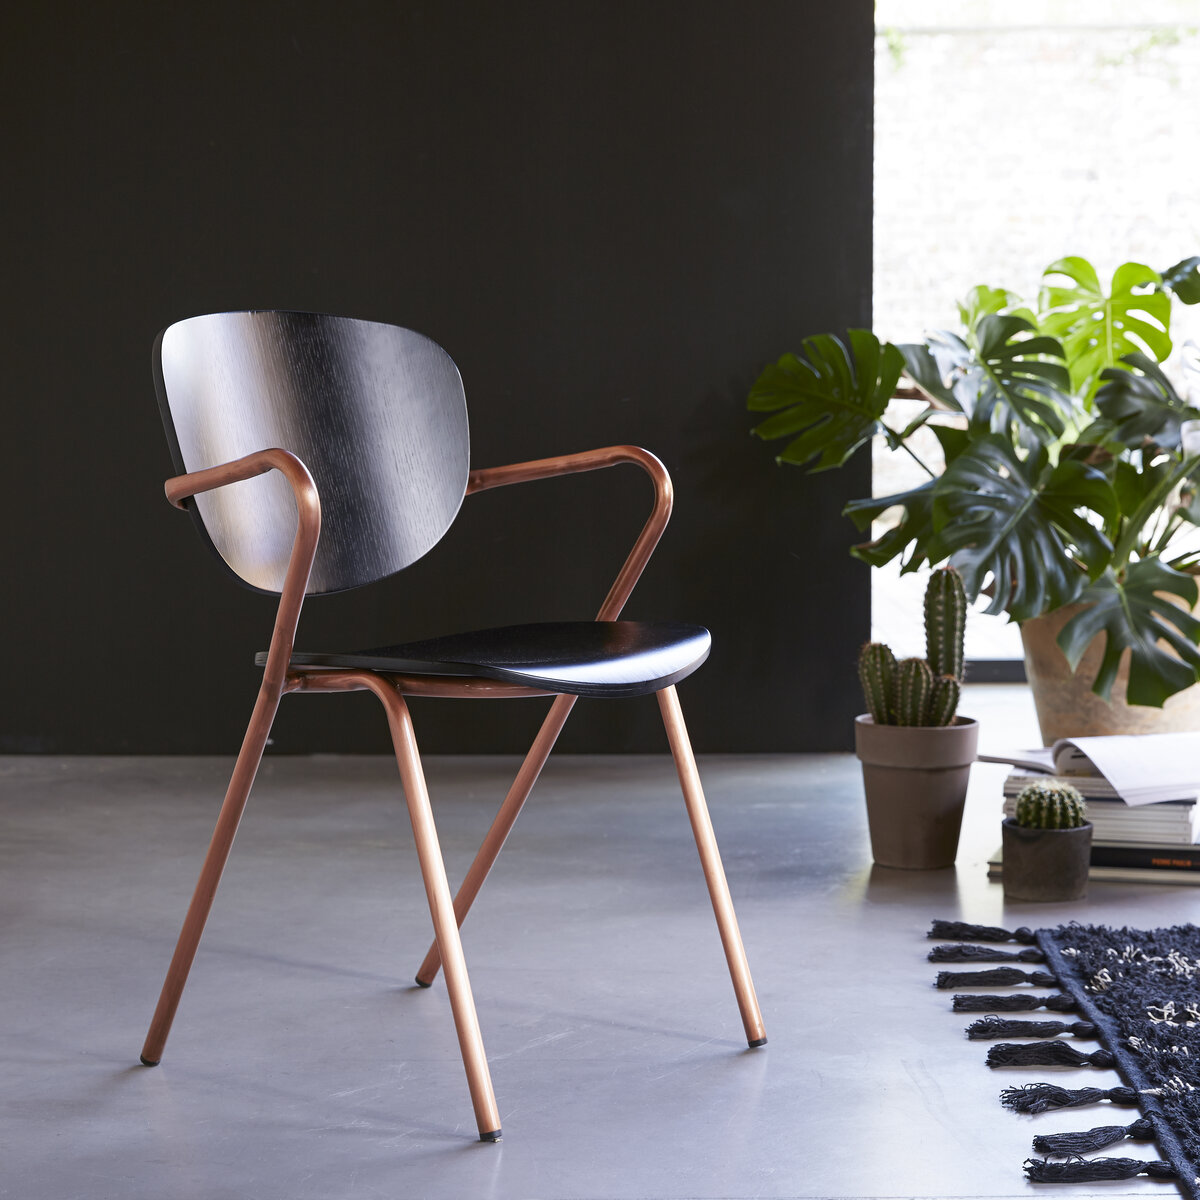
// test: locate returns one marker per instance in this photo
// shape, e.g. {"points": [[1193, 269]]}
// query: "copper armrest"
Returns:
{"points": [[593, 460], [304, 547]]}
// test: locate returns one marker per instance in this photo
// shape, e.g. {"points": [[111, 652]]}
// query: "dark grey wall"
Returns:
{"points": [[610, 214]]}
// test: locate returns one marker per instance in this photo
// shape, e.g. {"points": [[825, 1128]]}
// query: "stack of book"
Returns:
{"points": [[1143, 807]]}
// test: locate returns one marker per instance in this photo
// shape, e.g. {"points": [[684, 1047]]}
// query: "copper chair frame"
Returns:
{"points": [[447, 913]]}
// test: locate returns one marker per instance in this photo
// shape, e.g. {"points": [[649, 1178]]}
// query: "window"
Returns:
{"points": [[1009, 133]]}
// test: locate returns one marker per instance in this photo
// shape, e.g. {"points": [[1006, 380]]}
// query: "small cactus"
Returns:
{"points": [[921, 691], [912, 689], [943, 700], [876, 667], [945, 622], [1050, 805]]}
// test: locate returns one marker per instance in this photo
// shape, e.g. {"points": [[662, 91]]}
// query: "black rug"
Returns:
{"points": [[1134, 994]]}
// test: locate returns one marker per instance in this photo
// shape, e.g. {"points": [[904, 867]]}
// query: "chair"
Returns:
{"points": [[318, 454]]}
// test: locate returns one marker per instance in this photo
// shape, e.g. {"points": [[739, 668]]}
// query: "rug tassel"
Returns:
{"points": [[1142, 1130], [1000, 977], [1045, 1054], [1088, 1170], [990, 1028], [1042, 1097], [959, 931], [1018, 1003], [984, 954]]}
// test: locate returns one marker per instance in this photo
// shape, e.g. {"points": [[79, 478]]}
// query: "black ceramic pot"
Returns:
{"points": [[1046, 864]]}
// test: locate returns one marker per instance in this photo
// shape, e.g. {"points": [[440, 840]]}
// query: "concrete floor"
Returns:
{"points": [[304, 1064]]}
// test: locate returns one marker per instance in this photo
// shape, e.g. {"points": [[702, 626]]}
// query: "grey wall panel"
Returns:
{"points": [[610, 215]]}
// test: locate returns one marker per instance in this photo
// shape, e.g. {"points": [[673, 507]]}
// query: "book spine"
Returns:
{"points": [[1095, 789], [1164, 858]]}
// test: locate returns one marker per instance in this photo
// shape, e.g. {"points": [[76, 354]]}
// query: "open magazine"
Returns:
{"points": [[1143, 768]]}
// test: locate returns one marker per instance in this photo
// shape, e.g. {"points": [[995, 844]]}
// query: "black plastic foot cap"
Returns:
{"points": [[422, 983], [493, 1136], [754, 1045], [149, 1062]]}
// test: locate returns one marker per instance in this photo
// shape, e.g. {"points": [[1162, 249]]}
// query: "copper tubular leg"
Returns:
{"points": [[230, 816], [714, 873], [274, 684], [610, 610], [441, 907], [501, 826]]}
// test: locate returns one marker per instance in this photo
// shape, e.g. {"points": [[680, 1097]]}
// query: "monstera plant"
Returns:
{"points": [[1063, 476]]}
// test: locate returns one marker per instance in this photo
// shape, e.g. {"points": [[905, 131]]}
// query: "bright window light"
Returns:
{"points": [[1009, 133]]}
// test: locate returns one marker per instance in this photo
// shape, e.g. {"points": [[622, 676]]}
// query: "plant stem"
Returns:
{"points": [[913, 455], [1169, 530], [1147, 509]]}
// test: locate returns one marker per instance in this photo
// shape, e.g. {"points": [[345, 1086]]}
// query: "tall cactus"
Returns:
{"points": [[945, 622], [920, 691]]}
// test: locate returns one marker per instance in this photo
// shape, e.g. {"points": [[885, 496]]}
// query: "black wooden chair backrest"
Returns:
{"points": [[377, 414]]}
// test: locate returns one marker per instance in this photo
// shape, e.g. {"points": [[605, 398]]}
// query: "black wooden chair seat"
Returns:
{"points": [[579, 658]]}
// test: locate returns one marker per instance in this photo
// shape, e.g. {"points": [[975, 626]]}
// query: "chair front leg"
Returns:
{"points": [[714, 872], [441, 908], [230, 817]]}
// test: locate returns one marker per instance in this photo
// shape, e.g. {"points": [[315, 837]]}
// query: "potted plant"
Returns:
{"points": [[1060, 485], [916, 753], [1047, 845]]}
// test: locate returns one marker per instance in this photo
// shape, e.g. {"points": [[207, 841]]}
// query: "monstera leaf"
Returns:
{"points": [[953, 440], [982, 301], [831, 400], [1001, 374], [914, 529], [1135, 612], [1018, 520], [926, 373], [1098, 330], [1136, 488], [1139, 403], [1184, 280]]}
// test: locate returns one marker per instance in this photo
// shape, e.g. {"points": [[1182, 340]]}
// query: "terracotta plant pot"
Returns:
{"points": [[1045, 864], [915, 778], [1066, 704]]}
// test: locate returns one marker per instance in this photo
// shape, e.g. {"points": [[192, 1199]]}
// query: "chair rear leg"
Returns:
{"points": [[714, 873], [502, 824], [230, 816], [441, 908]]}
